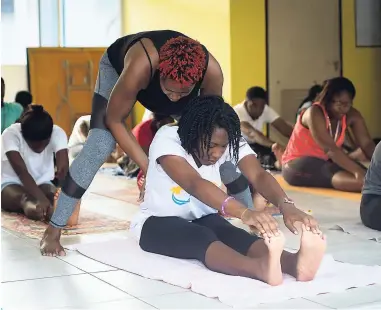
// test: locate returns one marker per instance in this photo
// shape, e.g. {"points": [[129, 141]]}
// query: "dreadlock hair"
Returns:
{"points": [[201, 117], [182, 59], [333, 87], [36, 124]]}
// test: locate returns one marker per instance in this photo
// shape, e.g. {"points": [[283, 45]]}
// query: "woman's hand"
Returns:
{"points": [[291, 214], [262, 221]]}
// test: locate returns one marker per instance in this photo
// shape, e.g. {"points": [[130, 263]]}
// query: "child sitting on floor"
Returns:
{"points": [[27, 162], [178, 217]]}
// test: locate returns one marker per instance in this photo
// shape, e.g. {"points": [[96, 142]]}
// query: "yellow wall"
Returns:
{"points": [[204, 20], [362, 65], [248, 46]]}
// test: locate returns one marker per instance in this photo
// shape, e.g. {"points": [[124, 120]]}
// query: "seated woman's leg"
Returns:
{"points": [[14, 198], [370, 211], [316, 172], [302, 265], [176, 237]]}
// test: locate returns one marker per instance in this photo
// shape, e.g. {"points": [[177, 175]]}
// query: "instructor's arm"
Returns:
{"points": [[135, 77]]}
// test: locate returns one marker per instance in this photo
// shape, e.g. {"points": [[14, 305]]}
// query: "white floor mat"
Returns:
{"points": [[239, 292], [358, 229]]}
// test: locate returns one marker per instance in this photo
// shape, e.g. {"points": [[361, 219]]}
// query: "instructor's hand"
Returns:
{"points": [[262, 221]]}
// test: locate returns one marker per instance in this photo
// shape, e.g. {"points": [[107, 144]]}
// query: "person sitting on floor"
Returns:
{"points": [[370, 208], [10, 111], [144, 134], [24, 98], [253, 113], [313, 92], [314, 155], [349, 145], [27, 166], [178, 217]]}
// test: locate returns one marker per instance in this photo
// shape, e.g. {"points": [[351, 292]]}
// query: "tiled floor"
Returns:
{"points": [[30, 281]]}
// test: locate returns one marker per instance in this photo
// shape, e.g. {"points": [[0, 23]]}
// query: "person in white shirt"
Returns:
{"points": [[254, 112], [179, 215], [78, 136], [27, 164]]}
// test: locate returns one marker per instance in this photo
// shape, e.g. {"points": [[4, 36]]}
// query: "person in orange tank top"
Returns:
{"points": [[314, 155]]}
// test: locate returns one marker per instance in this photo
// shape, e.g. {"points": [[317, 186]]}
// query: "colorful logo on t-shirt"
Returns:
{"points": [[179, 196]]}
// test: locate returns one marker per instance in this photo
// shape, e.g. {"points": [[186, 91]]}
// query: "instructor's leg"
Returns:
{"points": [[98, 147], [236, 184]]}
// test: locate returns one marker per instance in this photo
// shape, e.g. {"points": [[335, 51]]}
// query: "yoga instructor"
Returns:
{"points": [[162, 70]]}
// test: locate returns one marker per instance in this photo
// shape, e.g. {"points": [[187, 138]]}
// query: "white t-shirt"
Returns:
{"points": [[163, 197], [39, 165], [268, 116], [76, 136]]}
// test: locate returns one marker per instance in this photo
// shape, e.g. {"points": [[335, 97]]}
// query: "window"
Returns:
{"points": [[368, 23], [19, 30], [90, 23], [49, 23]]}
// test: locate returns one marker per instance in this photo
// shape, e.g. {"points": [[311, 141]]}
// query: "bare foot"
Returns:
{"points": [[50, 243], [310, 255], [271, 267], [278, 151]]}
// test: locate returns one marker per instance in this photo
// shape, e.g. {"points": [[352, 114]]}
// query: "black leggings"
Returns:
{"points": [[310, 172], [176, 237], [370, 211]]}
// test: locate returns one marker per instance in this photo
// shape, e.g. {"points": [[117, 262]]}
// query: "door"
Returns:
{"points": [[303, 49], [63, 80]]}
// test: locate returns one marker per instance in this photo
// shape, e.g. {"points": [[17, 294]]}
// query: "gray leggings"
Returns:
{"points": [[100, 144]]}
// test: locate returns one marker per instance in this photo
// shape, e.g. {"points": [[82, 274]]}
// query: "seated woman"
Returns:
{"points": [[314, 155], [370, 208], [349, 145], [27, 163], [179, 218]]}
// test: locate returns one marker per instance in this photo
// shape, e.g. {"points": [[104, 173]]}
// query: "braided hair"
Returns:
{"points": [[201, 117]]}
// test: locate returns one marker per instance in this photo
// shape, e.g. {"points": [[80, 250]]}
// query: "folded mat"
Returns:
{"points": [[358, 229], [240, 292]]}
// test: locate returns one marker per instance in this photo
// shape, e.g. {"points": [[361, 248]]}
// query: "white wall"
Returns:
{"points": [[15, 78]]}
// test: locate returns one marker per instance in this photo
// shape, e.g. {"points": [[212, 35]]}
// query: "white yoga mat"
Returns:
{"points": [[358, 229], [238, 292]]}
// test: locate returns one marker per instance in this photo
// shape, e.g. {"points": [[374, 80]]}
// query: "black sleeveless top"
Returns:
{"points": [[153, 97]]}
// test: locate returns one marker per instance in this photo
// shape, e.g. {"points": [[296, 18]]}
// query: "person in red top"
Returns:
{"points": [[314, 157], [144, 134]]}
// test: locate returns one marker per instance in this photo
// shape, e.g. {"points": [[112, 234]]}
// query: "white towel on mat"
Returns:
{"points": [[126, 254]]}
